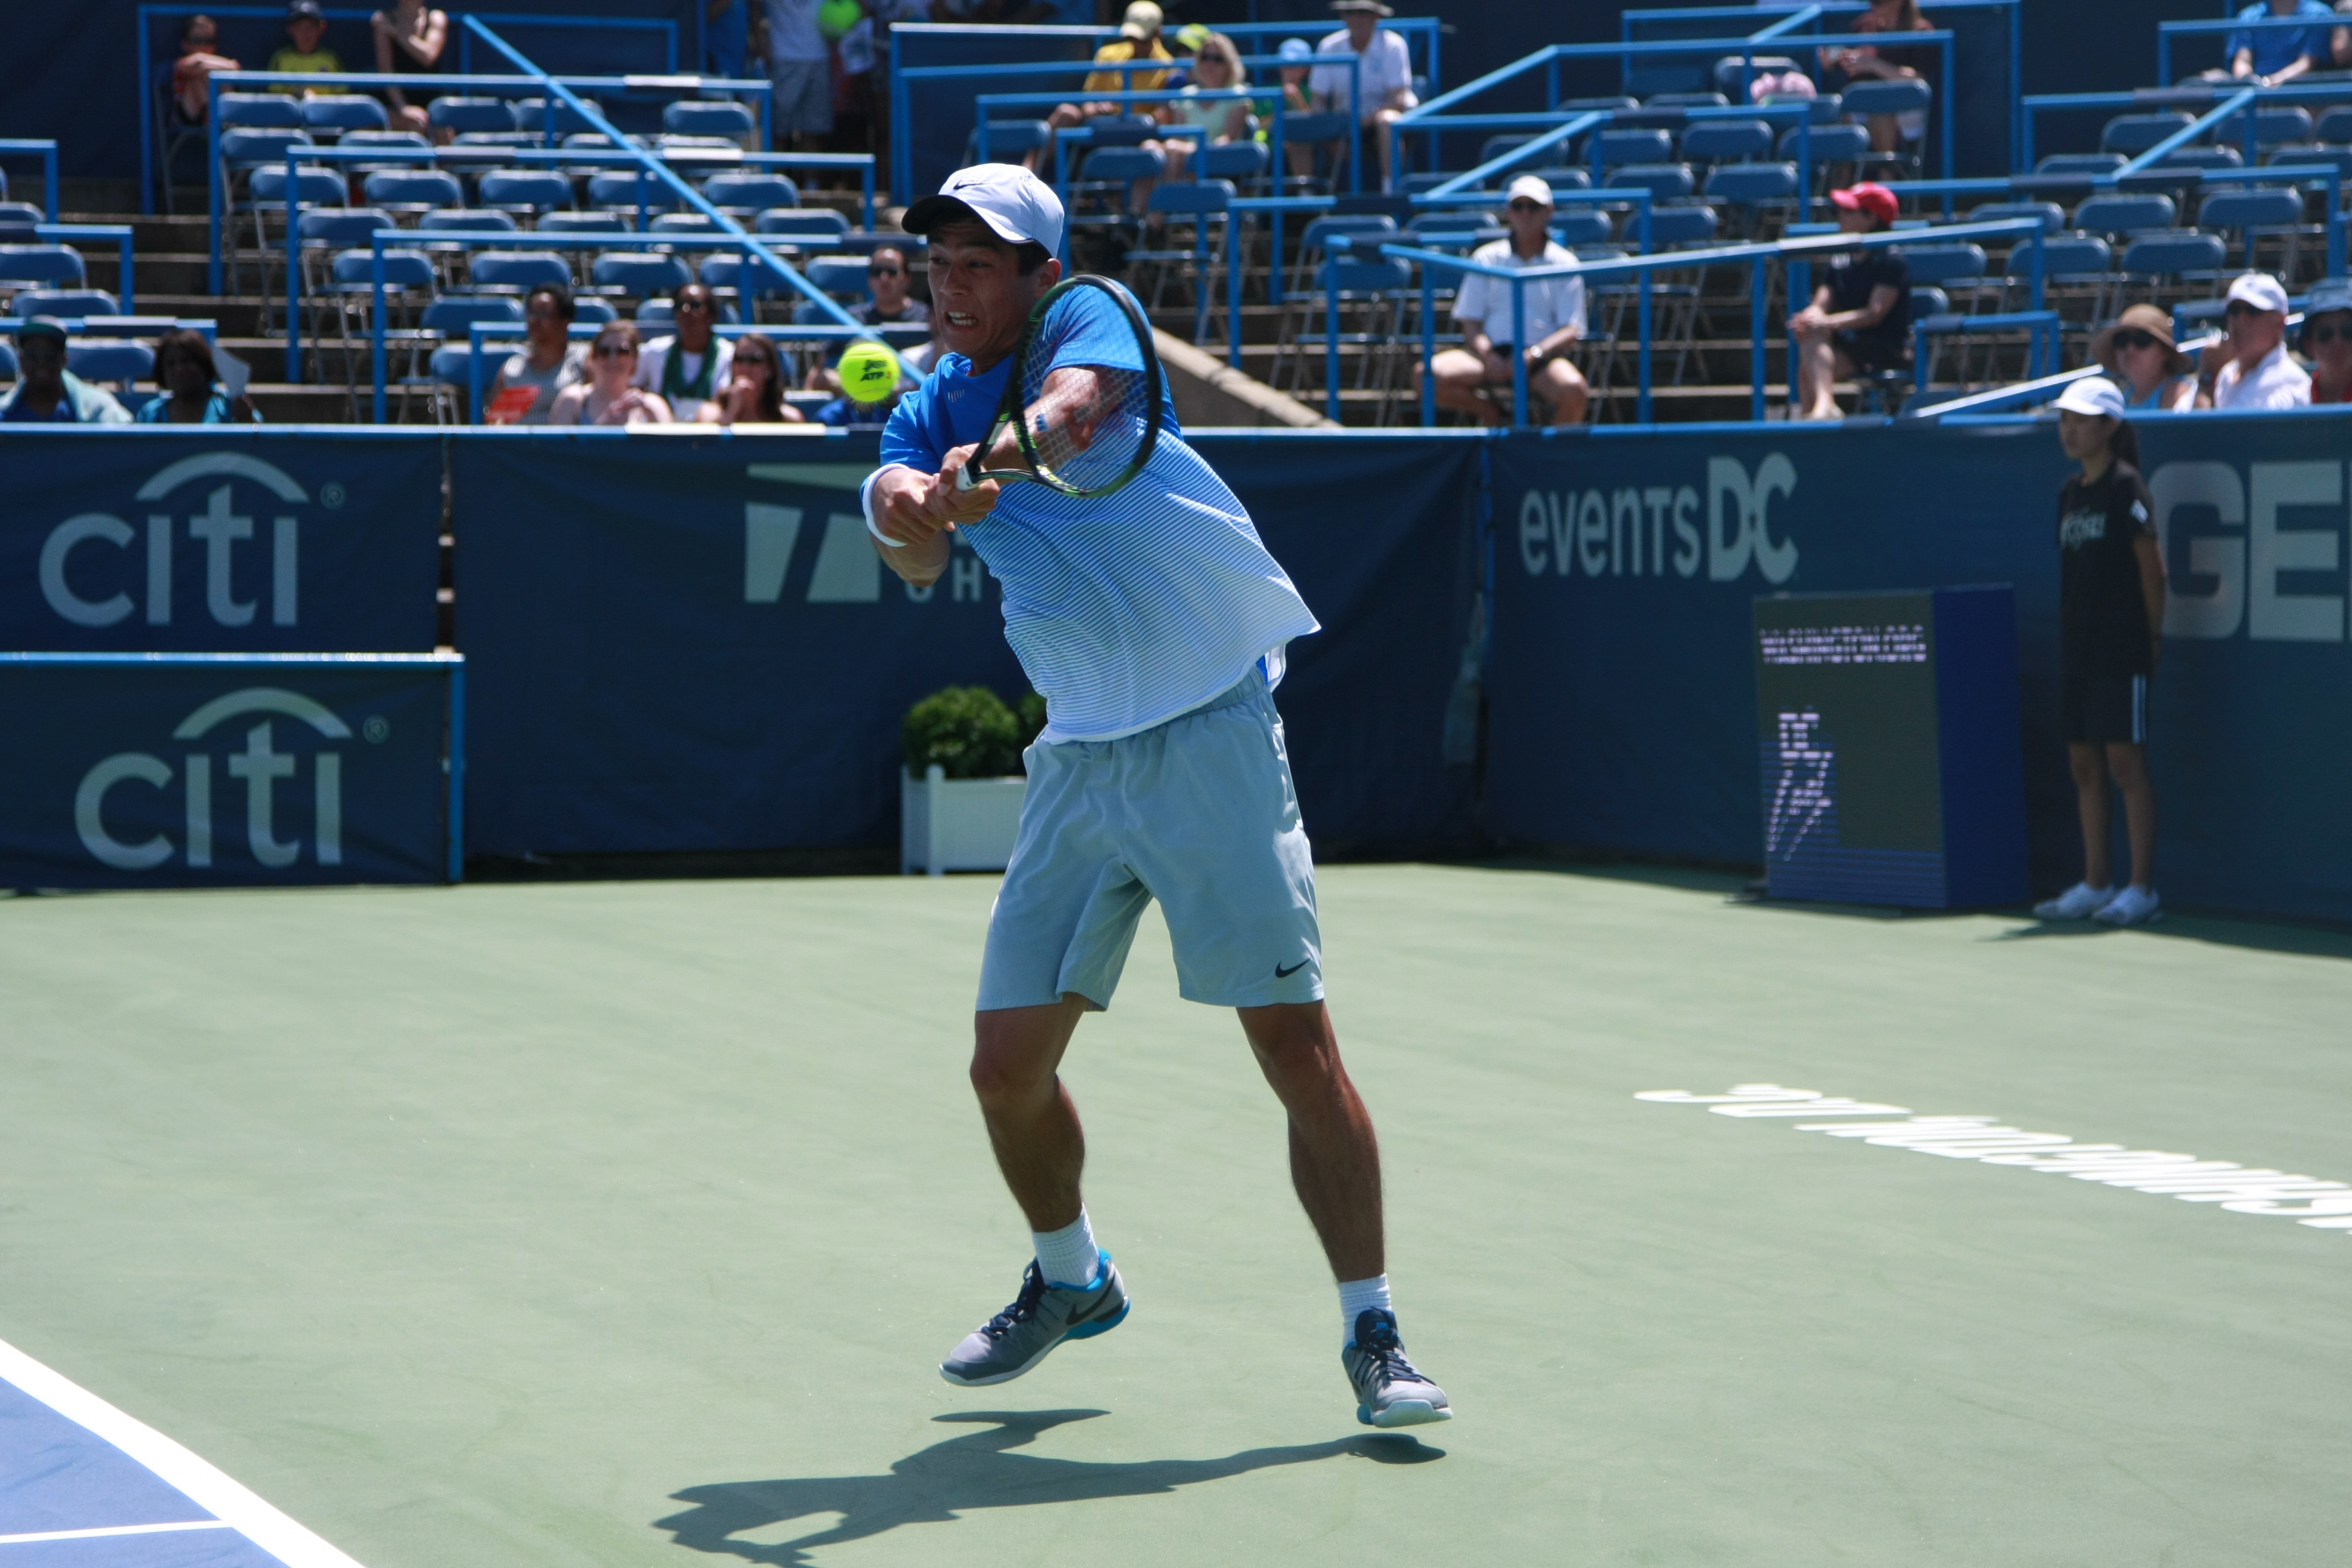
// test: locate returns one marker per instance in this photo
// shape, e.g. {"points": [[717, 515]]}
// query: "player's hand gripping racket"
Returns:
{"points": [[1083, 398]]}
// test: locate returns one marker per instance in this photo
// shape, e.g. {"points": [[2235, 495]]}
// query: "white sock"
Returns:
{"points": [[1068, 1256], [1357, 1296]]}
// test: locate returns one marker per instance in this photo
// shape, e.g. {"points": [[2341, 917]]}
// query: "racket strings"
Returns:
{"points": [[1086, 423]]}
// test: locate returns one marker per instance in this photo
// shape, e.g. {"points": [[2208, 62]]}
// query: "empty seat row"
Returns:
{"points": [[344, 112]]}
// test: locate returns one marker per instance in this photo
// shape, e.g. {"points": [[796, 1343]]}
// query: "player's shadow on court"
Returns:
{"points": [[972, 1471]]}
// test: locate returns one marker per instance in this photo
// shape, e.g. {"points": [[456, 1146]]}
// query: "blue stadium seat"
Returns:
{"points": [[7, 360], [2064, 258], [1927, 300], [1583, 226], [413, 190], [1120, 130], [1731, 72], [2319, 154], [476, 115], [2053, 215], [815, 226], [1686, 100], [1009, 139], [2132, 134], [402, 269], [452, 317], [587, 310], [1602, 105], [530, 114], [1121, 165], [723, 270], [2171, 255], [1671, 226], [476, 220], [2089, 166], [1243, 161], [1945, 263], [518, 269], [685, 224], [525, 190], [1831, 144], [2335, 125], [2276, 124], [708, 117], [2125, 214], [2253, 213], [260, 111], [640, 274], [63, 303], [1666, 181], [750, 193], [582, 223], [1753, 185], [1623, 147], [1558, 177], [341, 111], [1901, 94], [842, 276], [1725, 141], [1822, 108], [1495, 147], [617, 190], [2203, 158], [252, 149], [313, 187], [124, 360], [41, 264]]}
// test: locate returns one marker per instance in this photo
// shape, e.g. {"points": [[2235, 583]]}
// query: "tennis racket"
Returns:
{"points": [[1083, 397]]}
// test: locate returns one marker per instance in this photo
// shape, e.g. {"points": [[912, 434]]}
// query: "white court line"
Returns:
{"points": [[204, 1484], [116, 1530]]}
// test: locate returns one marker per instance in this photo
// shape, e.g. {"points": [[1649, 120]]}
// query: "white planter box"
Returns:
{"points": [[957, 824]]}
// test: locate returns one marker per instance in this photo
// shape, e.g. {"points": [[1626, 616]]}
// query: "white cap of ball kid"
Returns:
{"points": [[1017, 206], [2093, 394]]}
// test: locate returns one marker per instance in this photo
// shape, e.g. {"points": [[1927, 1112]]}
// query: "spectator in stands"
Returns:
{"points": [[1469, 377], [727, 37], [190, 384], [2136, 350], [2272, 57], [2254, 370], [1138, 40], [1384, 68], [2326, 340], [2110, 620], [1869, 63], [606, 398], [306, 25], [551, 364], [1860, 318], [1216, 65], [799, 70], [754, 392], [1298, 57], [689, 364], [2339, 40], [46, 393], [409, 41], [889, 277], [1184, 47], [199, 36]]}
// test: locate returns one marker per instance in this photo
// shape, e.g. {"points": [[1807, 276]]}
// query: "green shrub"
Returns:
{"points": [[1033, 718], [967, 730]]}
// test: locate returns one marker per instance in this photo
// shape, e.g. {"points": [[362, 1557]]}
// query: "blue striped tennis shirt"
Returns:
{"points": [[1129, 609]]}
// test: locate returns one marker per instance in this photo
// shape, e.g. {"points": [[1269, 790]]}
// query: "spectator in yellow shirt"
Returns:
{"points": [[306, 25], [1138, 40]]}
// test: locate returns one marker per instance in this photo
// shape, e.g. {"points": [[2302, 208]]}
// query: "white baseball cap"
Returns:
{"points": [[2261, 291], [1531, 186], [1017, 206], [2093, 394]]}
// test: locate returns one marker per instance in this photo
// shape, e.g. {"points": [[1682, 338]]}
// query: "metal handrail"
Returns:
{"points": [[47, 147]]}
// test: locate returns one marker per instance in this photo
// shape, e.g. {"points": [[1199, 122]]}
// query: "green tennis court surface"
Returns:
{"points": [[623, 1223]]}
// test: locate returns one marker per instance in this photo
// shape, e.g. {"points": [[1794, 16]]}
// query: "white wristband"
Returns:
{"points": [[893, 543], [866, 506]]}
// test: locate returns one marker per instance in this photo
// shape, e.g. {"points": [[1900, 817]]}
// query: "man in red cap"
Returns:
{"points": [[1860, 318]]}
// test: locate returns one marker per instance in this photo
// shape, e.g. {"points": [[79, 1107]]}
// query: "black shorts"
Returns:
{"points": [[2104, 710], [1873, 351]]}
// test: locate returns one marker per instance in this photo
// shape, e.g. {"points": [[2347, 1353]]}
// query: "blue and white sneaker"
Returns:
{"points": [[1390, 1390], [1040, 1318]]}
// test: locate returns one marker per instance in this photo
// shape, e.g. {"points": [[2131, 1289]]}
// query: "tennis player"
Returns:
{"points": [[1154, 622]]}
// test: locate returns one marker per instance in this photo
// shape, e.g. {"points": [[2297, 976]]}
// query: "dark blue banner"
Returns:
{"points": [[232, 539], [208, 771], [686, 642], [1623, 696]]}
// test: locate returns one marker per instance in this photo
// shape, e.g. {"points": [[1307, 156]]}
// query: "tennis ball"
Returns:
{"points": [[868, 371], [835, 17]]}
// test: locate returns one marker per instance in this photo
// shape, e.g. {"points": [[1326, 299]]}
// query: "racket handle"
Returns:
{"points": [[963, 473]]}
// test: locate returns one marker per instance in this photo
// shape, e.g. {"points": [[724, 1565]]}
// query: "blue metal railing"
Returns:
{"points": [[2167, 31], [118, 232], [17, 146], [2226, 94]]}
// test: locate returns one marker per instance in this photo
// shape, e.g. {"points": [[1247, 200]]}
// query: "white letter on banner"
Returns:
{"points": [[1564, 531], [89, 809], [1774, 475], [1535, 527], [769, 534], [159, 569], [2218, 612], [1727, 551], [220, 529], [285, 580], [1656, 503], [1686, 543], [261, 766], [848, 570], [329, 813], [1625, 518], [1591, 532], [2271, 615], [200, 808], [81, 612]]}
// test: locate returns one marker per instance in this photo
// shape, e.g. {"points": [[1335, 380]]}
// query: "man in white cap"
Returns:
{"points": [[1155, 623], [1384, 71], [2254, 369], [1468, 378]]}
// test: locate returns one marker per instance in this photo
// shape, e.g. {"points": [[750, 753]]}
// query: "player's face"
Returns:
{"points": [[979, 297]]}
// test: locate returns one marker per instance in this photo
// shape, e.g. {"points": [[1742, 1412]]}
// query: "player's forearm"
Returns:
{"points": [[921, 564]]}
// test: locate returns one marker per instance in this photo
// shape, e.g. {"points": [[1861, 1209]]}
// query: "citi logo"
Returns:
{"points": [[87, 553], [255, 761], [1647, 530], [2264, 545]]}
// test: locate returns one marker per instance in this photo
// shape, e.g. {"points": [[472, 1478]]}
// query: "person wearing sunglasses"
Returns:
{"points": [[1473, 378], [46, 393], [754, 392], [2138, 355], [688, 364], [548, 363], [606, 398], [2253, 369], [2110, 615], [2326, 340], [888, 275]]}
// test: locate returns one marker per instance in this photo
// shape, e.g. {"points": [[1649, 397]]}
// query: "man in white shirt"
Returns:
{"points": [[2254, 369], [689, 366], [799, 70], [1482, 309], [1383, 69]]}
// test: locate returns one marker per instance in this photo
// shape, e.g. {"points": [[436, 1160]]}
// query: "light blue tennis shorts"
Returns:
{"points": [[1198, 813]]}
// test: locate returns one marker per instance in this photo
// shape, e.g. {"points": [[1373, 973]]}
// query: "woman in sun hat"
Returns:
{"points": [[2326, 340], [2110, 614], [2136, 350]]}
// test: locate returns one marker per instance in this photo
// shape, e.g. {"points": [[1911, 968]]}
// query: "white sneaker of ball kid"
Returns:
{"points": [[2079, 902], [2135, 906]]}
